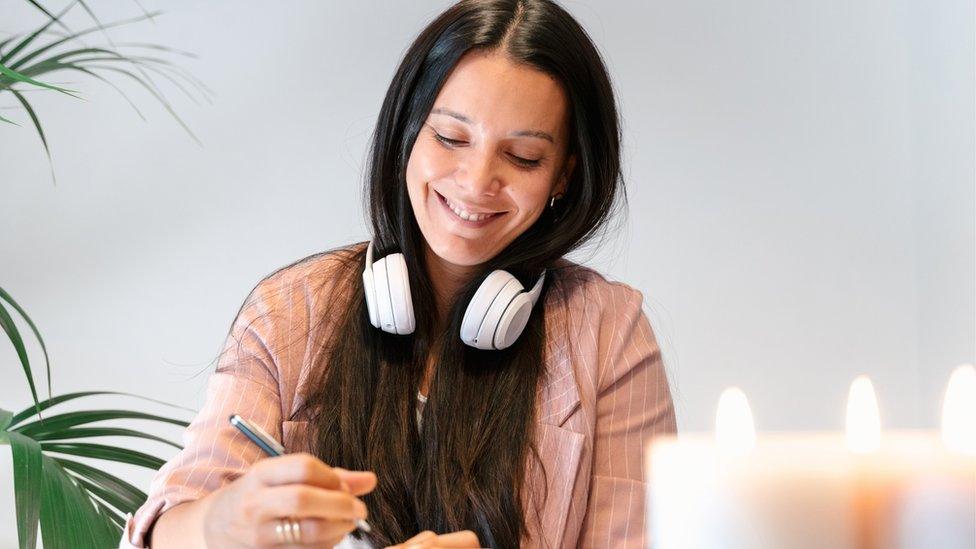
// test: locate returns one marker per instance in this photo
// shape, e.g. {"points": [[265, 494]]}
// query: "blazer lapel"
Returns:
{"points": [[559, 449]]}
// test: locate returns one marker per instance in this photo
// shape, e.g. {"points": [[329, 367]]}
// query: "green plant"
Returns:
{"points": [[54, 47], [75, 503]]}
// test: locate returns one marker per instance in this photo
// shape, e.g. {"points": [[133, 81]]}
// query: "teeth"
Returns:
{"points": [[464, 214]]}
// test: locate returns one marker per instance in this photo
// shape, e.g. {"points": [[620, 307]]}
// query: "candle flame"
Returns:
{"points": [[959, 411], [735, 432], [863, 417]]}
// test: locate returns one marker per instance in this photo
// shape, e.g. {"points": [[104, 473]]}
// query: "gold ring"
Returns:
{"points": [[296, 530], [288, 530]]}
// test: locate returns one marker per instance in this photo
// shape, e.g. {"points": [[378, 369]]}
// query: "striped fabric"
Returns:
{"points": [[604, 396]]}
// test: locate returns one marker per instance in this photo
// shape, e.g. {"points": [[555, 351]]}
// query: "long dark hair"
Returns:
{"points": [[464, 468]]}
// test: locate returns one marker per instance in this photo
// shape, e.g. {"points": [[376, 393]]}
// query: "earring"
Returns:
{"points": [[554, 198]]}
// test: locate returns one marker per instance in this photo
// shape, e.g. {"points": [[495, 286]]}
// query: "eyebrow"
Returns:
{"points": [[519, 133]]}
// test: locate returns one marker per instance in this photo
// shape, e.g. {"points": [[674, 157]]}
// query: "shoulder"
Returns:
{"points": [[289, 304], [584, 290], [285, 316], [598, 321], [308, 279]]}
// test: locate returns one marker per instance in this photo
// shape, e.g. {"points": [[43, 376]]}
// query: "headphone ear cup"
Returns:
{"points": [[513, 321], [384, 307], [486, 308], [369, 288], [400, 298]]}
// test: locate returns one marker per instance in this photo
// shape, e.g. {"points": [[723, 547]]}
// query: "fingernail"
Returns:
{"points": [[361, 507]]}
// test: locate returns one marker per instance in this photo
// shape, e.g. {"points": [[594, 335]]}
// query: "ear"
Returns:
{"points": [[563, 182]]}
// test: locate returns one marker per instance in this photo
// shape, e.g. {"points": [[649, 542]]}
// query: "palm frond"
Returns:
{"points": [[104, 451], [30, 37], [69, 517], [10, 77], [73, 419], [37, 125], [28, 473], [32, 58], [45, 404], [76, 504], [13, 334], [4, 296]]}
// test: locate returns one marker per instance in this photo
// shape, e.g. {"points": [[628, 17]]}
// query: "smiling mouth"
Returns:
{"points": [[464, 215]]}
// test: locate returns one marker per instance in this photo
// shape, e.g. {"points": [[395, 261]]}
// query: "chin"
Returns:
{"points": [[458, 251]]}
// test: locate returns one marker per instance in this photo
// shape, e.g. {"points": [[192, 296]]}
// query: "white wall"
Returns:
{"points": [[800, 174]]}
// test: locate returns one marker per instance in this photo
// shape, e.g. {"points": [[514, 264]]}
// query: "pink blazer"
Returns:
{"points": [[604, 397]]}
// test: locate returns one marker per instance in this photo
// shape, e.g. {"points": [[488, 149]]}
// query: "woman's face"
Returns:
{"points": [[488, 157]]}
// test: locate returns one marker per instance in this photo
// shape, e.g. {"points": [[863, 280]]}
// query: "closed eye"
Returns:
{"points": [[521, 162]]}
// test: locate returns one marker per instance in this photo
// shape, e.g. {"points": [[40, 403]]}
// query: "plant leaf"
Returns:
{"points": [[37, 125], [88, 432], [104, 451], [48, 14], [28, 474], [17, 77], [4, 43], [162, 100], [73, 36], [30, 38], [45, 404], [102, 495], [111, 514], [8, 326], [47, 361], [110, 84], [5, 419], [69, 516], [133, 496], [70, 419]]}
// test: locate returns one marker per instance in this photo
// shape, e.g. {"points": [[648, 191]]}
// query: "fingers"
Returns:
{"points": [[299, 500], [305, 468], [296, 469], [464, 538], [311, 532], [415, 541], [430, 540], [358, 482]]}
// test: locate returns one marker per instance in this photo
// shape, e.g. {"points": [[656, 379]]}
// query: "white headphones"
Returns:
{"points": [[493, 320]]}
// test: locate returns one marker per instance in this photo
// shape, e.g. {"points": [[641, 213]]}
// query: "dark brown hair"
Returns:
{"points": [[464, 468]]}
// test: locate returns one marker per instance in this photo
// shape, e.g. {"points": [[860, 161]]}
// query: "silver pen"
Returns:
{"points": [[271, 447]]}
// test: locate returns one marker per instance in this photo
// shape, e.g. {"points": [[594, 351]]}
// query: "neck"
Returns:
{"points": [[447, 280]]}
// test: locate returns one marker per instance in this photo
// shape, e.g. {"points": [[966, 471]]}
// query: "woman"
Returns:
{"points": [[496, 149]]}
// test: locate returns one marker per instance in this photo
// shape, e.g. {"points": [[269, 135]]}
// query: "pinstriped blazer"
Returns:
{"points": [[604, 396]]}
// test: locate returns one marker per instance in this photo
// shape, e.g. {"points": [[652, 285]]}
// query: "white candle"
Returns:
{"points": [[862, 490], [937, 506]]}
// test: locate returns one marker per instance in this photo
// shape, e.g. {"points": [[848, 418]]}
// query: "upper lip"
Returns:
{"points": [[467, 207]]}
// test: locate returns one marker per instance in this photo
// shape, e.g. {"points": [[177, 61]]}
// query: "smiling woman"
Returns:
{"points": [[496, 153]]}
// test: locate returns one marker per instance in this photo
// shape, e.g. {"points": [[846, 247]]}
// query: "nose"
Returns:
{"points": [[478, 174]]}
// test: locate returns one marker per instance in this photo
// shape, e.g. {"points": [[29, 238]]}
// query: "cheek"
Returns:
{"points": [[533, 198], [427, 162]]}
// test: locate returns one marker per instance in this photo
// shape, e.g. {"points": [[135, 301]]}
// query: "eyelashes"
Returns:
{"points": [[518, 160]]}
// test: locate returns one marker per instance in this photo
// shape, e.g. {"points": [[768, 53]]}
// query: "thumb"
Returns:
{"points": [[358, 482]]}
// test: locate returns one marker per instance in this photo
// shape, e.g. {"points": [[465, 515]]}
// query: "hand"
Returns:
{"points": [[321, 499], [430, 540]]}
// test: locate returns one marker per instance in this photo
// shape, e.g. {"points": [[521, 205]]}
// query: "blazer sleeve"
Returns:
{"points": [[245, 382], [633, 406]]}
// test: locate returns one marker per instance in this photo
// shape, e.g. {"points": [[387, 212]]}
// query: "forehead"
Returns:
{"points": [[503, 96]]}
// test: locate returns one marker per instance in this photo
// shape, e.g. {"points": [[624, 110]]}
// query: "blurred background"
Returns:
{"points": [[800, 178]]}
